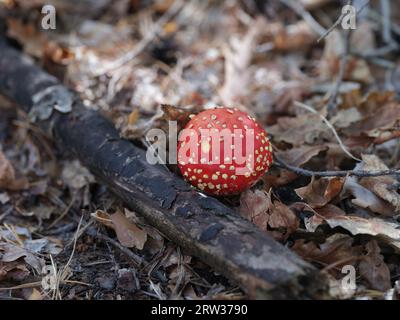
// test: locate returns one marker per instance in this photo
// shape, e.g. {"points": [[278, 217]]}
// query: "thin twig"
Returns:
{"points": [[339, 20], [339, 173], [330, 126]]}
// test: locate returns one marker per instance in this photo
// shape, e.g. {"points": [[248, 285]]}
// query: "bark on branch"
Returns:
{"points": [[203, 226]]}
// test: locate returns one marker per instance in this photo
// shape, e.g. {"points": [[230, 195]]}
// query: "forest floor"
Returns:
{"points": [[328, 98]]}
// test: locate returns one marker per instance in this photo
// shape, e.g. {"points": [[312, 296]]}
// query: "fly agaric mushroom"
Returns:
{"points": [[223, 151]]}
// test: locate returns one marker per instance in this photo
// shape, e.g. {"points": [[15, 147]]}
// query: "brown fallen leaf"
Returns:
{"points": [[7, 173], [14, 270], [8, 179], [319, 214], [387, 231], [273, 216], [11, 252], [300, 130], [365, 198], [283, 220], [382, 186], [374, 269], [321, 191], [338, 250], [378, 129], [300, 155], [128, 234], [103, 218], [298, 36], [28, 35], [254, 206], [278, 179]]}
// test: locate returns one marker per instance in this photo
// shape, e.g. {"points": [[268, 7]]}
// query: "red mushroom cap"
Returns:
{"points": [[223, 151]]}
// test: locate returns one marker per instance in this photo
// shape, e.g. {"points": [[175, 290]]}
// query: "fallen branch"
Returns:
{"points": [[338, 173], [201, 225]]}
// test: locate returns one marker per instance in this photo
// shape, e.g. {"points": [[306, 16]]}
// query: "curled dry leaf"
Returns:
{"points": [[321, 191], [135, 127], [258, 207], [365, 198], [103, 218], [320, 215], [338, 250], [11, 252], [377, 129], [254, 207], [388, 231], [382, 186], [128, 234], [15, 270], [8, 179], [283, 220], [374, 269]]}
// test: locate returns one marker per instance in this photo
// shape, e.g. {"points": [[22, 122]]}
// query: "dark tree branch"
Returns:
{"points": [[201, 225], [335, 173]]}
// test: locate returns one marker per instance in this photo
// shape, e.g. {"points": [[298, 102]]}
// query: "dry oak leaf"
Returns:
{"points": [[14, 270], [374, 269], [319, 214], [10, 252], [128, 234], [300, 155], [302, 129], [377, 129], [254, 206], [382, 186], [388, 231], [365, 198], [258, 207], [321, 191], [338, 249], [7, 176]]}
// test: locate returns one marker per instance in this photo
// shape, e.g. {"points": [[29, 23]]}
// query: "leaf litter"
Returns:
{"points": [[261, 59]]}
